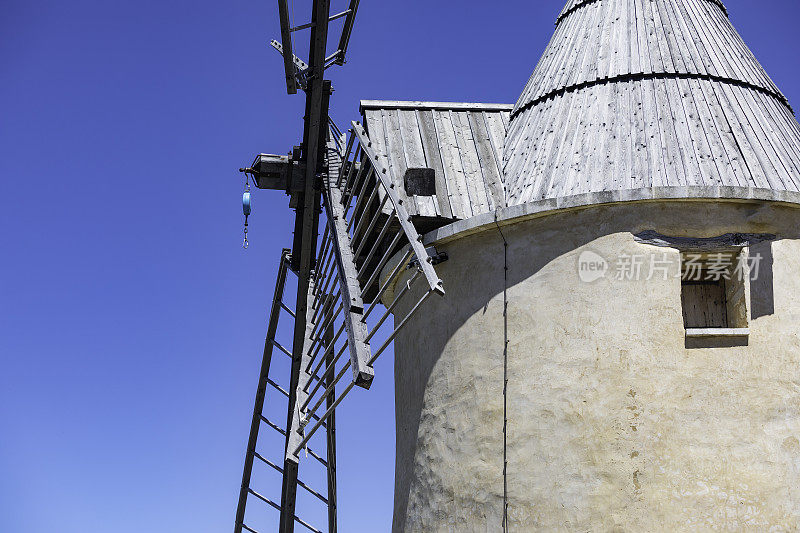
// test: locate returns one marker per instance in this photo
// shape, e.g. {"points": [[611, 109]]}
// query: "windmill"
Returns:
{"points": [[545, 390], [352, 236]]}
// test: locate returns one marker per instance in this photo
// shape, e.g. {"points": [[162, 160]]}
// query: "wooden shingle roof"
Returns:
{"points": [[642, 94], [461, 142]]}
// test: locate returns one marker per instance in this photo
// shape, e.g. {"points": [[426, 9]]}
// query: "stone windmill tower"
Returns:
{"points": [[617, 348], [648, 144]]}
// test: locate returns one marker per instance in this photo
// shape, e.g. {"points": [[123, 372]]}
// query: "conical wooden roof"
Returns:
{"points": [[648, 94]]}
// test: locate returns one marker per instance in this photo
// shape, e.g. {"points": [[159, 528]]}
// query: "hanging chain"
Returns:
{"points": [[246, 209]]}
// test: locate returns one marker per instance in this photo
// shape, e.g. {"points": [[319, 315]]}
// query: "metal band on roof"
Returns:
{"points": [[651, 76], [564, 14]]}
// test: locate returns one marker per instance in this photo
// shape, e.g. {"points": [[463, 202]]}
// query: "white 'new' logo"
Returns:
{"points": [[591, 266]]}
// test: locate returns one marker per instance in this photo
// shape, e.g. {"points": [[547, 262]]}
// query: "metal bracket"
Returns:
{"points": [[301, 67], [435, 257]]}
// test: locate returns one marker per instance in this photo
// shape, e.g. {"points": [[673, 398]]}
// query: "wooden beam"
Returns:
{"points": [[288, 52], [347, 30], [452, 106], [352, 300], [726, 241], [306, 224]]}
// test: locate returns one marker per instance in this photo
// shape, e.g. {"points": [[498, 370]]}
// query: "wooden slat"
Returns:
{"points": [[433, 156], [414, 105], [373, 121], [395, 153], [488, 161], [451, 159], [415, 157], [476, 186]]}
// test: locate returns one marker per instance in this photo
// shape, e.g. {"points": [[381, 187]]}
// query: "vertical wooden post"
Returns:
{"points": [[331, 444], [306, 224]]}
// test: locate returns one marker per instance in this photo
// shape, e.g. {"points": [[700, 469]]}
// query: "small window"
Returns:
{"points": [[704, 304], [713, 291]]}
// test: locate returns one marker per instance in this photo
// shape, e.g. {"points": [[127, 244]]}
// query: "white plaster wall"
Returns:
{"points": [[614, 424]]}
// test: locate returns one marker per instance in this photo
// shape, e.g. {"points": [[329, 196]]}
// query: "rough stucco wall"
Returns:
{"points": [[614, 425]]}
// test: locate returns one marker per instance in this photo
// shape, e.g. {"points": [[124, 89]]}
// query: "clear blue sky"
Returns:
{"points": [[131, 321]]}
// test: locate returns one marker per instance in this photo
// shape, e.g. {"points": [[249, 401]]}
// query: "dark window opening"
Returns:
{"points": [[704, 304], [713, 289]]}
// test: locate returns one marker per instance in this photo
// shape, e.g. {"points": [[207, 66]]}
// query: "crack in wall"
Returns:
{"points": [[505, 376]]}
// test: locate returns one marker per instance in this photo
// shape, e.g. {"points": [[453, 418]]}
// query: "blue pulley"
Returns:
{"points": [[246, 203]]}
